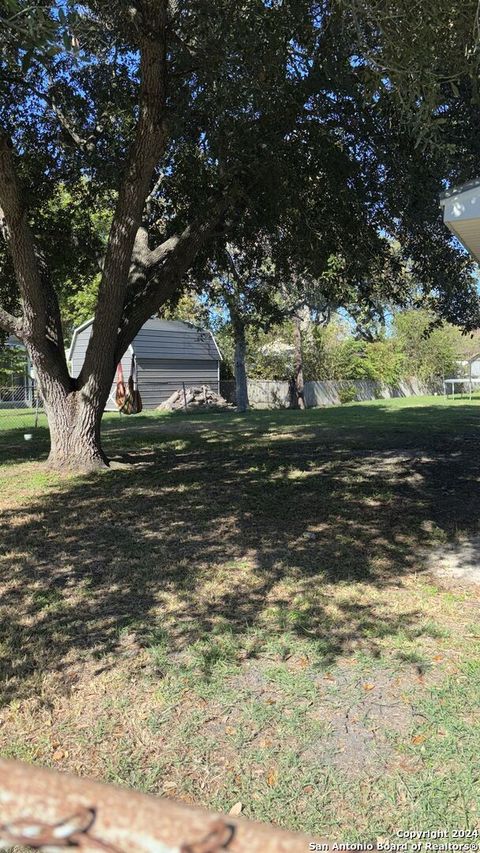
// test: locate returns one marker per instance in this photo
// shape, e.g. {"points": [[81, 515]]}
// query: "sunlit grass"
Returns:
{"points": [[239, 610]]}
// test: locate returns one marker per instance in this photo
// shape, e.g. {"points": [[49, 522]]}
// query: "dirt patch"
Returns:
{"points": [[361, 717], [365, 716], [459, 562]]}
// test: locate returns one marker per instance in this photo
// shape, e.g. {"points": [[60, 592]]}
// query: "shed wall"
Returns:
{"points": [[173, 340], [80, 350], [158, 378], [168, 353], [78, 357]]}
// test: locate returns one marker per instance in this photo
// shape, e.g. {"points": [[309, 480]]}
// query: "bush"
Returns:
{"points": [[429, 352], [347, 394]]}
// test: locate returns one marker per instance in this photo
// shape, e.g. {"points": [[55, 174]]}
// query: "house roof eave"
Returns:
{"points": [[458, 189]]}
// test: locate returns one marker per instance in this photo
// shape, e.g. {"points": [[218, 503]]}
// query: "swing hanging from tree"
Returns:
{"points": [[127, 397]]}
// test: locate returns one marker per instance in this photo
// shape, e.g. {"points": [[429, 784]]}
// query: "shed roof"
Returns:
{"points": [[153, 324]]}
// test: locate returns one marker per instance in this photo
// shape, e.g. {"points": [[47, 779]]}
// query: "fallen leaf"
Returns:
{"points": [[368, 685], [58, 755], [438, 658], [272, 777], [236, 809], [418, 739]]}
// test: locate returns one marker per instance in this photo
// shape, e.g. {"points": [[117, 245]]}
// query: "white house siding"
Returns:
{"points": [[167, 353], [474, 367], [461, 214]]}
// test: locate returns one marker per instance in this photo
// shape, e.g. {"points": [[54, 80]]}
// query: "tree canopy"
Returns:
{"points": [[139, 140], [428, 61], [410, 346], [264, 106]]}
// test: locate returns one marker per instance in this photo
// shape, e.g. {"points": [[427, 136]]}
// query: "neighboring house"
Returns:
{"points": [[14, 362], [461, 214], [16, 385], [470, 367], [167, 353]]}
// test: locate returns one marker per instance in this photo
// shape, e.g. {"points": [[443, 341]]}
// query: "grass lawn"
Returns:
{"points": [[241, 610]]}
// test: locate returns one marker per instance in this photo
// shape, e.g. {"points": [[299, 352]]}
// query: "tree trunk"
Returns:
{"points": [[74, 418], [241, 386], [297, 389]]}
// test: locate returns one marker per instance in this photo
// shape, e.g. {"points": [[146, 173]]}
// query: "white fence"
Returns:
{"points": [[265, 394]]}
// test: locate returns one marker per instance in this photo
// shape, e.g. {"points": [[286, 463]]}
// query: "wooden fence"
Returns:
{"points": [[267, 394], [44, 810]]}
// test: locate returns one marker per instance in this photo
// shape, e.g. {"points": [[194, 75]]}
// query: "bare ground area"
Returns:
{"points": [[458, 562], [243, 609]]}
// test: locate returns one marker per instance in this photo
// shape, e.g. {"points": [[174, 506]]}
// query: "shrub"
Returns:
{"points": [[347, 394]]}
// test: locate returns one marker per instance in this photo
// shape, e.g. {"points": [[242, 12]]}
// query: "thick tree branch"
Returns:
{"points": [[20, 242], [12, 325], [232, 265], [145, 152], [40, 327], [149, 201], [153, 285]]}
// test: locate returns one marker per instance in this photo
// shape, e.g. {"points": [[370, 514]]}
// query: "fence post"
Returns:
{"points": [[36, 411]]}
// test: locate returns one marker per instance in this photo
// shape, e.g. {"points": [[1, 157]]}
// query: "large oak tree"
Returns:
{"points": [[203, 123]]}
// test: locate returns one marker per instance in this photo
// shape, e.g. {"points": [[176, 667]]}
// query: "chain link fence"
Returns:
{"points": [[21, 407]]}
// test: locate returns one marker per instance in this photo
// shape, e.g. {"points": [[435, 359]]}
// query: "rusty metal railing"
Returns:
{"points": [[48, 811]]}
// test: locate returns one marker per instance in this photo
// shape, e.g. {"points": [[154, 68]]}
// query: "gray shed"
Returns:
{"points": [[167, 352]]}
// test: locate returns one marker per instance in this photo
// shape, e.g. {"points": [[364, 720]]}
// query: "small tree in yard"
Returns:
{"points": [[196, 123], [241, 283]]}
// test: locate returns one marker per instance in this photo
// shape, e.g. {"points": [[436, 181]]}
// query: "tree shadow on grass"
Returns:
{"points": [[14, 449], [225, 533]]}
